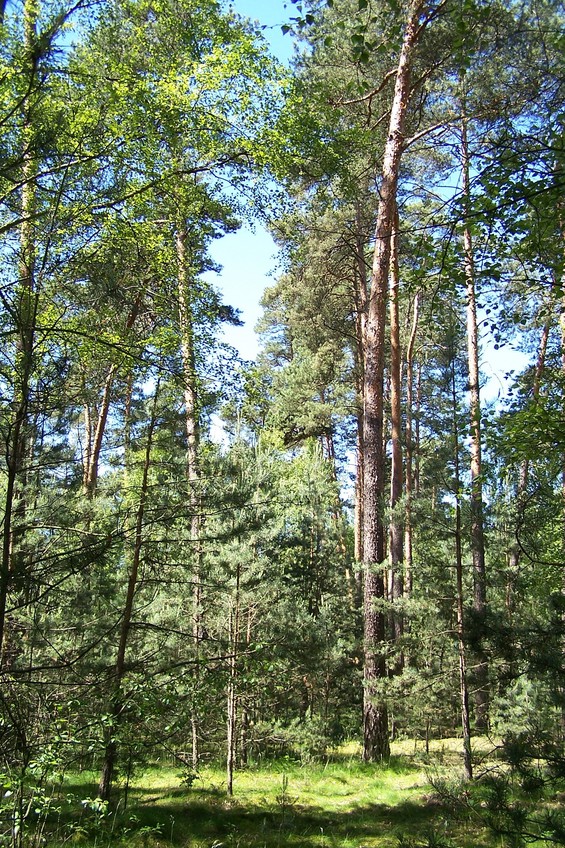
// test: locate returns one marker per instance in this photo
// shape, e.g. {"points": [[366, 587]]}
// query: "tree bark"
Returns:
{"points": [[117, 703], [26, 317], [409, 481], [95, 421], [375, 717], [477, 523], [244, 729], [191, 418], [417, 440], [558, 171], [232, 685], [360, 274], [95, 432], [95, 436], [463, 682], [396, 528]]}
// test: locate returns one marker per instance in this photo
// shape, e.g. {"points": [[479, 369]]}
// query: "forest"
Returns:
{"points": [[341, 563]]}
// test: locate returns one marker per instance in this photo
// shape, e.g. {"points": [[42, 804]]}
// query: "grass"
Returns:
{"points": [[341, 803]]}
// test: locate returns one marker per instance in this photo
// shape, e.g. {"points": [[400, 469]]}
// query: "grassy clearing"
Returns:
{"points": [[342, 803]]}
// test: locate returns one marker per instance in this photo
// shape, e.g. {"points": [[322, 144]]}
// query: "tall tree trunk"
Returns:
{"points": [[232, 684], [192, 443], [95, 436], [463, 683], [375, 717], [117, 701], [26, 317], [558, 171], [409, 481], [477, 524], [243, 741], [360, 275], [396, 528], [417, 440], [95, 431]]}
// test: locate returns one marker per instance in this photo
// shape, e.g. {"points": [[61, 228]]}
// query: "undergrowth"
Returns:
{"points": [[339, 803]]}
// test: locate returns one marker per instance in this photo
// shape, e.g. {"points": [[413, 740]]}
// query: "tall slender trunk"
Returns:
{"points": [[117, 701], [417, 440], [360, 274], [463, 683], [396, 528], [558, 171], [409, 481], [26, 317], [244, 729], [96, 427], [327, 441], [232, 684], [477, 523], [192, 443], [375, 717], [95, 436]]}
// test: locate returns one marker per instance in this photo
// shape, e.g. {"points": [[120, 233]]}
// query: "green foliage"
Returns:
{"points": [[304, 739], [168, 120]]}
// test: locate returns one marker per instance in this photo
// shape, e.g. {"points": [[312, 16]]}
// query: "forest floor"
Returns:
{"points": [[340, 803]]}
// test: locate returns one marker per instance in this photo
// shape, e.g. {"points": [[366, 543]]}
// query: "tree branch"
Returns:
{"points": [[369, 96]]}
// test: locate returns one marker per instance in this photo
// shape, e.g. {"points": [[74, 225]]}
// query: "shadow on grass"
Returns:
{"points": [[305, 826], [205, 820]]}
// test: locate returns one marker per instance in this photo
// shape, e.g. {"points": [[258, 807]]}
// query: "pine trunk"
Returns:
{"points": [[375, 719], [95, 433], [26, 317], [360, 275], [477, 524], [91, 460], [396, 528], [409, 481], [117, 704], [463, 682], [192, 443], [232, 686], [562, 331]]}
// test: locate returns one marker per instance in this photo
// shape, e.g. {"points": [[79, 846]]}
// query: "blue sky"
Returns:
{"points": [[271, 14], [248, 258]]}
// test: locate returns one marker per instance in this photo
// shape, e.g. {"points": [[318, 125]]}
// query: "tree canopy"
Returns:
{"points": [[374, 548]]}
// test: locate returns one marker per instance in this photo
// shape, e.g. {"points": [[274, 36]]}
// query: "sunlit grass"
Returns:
{"points": [[339, 803]]}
